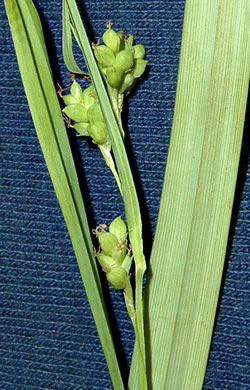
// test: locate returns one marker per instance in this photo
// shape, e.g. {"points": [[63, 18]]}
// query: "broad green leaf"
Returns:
{"points": [[192, 230], [39, 87]]}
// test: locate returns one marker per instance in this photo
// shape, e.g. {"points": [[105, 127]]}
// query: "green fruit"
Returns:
{"points": [[77, 112], [114, 76], [106, 262], [124, 60], [118, 228], [76, 92], [139, 68], [139, 51], [69, 99], [117, 277], [127, 262], [81, 128], [104, 55], [120, 254], [112, 39], [129, 42], [89, 96], [98, 132], [128, 82], [94, 113], [122, 41], [108, 242]]}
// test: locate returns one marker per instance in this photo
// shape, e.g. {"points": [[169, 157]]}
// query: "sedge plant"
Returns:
{"points": [[117, 56], [190, 241]]}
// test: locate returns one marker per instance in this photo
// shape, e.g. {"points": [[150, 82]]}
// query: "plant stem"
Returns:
{"points": [[116, 100], [129, 301]]}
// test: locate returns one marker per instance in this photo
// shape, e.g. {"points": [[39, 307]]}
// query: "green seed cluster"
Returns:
{"points": [[83, 108], [114, 256], [121, 62]]}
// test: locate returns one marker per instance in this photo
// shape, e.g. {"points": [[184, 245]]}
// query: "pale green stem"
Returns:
{"points": [[129, 301], [116, 100]]}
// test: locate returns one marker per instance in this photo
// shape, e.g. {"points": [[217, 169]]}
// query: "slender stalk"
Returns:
{"points": [[116, 100]]}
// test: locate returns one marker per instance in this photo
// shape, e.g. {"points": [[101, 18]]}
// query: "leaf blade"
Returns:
{"points": [[37, 79], [196, 204], [131, 204]]}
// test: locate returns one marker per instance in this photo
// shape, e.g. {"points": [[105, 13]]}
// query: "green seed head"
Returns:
{"points": [[94, 113], [108, 242], [69, 99], [139, 68], [112, 39], [114, 77], [117, 277], [122, 40], [127, 262], [128, 82], [77, 112], [98, 132], [120, 254], [81, 128], [104, 55], [139, 51], [129, 42], [106, 262], [89, 96], [76, 91], [124, 60], [118, 228]]}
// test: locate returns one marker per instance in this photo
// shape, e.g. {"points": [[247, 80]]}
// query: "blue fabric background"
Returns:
{"points": [[47, 336]]}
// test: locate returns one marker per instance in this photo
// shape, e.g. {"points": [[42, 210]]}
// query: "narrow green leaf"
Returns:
{"points": [[130, 198], [196, 204], [67, 43], [131, 204], [39, 87]]}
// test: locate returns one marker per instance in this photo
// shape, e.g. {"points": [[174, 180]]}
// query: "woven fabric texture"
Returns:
{"points": [[48, 338]]}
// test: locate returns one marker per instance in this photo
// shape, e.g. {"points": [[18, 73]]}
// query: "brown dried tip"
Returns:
{"points": [[67, 120], [60, 90], [109, 24], [94, 251], [99, 229], [86, 77], [95, 44], [102, 227]]}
